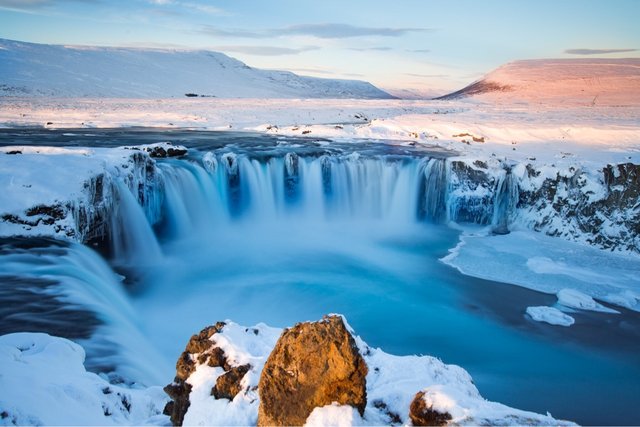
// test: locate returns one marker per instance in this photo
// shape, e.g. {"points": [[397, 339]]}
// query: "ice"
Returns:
{"points": [[550, 315], [515, 258], [576, 299]]}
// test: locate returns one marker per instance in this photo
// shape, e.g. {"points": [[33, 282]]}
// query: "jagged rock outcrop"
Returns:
{"points": [[312, 365], [423, 414], [199, 350]]}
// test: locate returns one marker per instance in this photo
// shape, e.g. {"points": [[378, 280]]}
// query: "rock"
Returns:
{"points": [[312, 365], [199, 350], [228, 384], [423, 414], [166, 149]]}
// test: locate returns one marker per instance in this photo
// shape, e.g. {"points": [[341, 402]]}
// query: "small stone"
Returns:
{"points": [[422, 414], [228, 384]]}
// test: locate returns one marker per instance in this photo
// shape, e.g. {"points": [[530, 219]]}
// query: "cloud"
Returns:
{"points": [[339, 31], [439, 76], [311, 70], [368, 49], [266, 50], [597, 51], [231, 33], [32, 5], [418, 50], [323, 31], [189, 6]]}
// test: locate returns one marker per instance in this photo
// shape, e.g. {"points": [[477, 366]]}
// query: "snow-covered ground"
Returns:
{"points": [[44, 382], [81, 71]]}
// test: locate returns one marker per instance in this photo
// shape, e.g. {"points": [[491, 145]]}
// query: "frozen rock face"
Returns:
{"points": [[595, 206], [598, 207], [312, 365]]}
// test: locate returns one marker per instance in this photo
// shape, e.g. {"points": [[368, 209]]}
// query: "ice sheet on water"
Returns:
{"points": [[550, 315], [549, 265]]}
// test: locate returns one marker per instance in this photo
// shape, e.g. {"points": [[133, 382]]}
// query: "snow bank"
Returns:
{"points": [[550, 315], [334, 415], [44, 382]]}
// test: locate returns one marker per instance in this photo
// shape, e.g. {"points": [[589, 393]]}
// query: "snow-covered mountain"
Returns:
{"points": [[591, 81], [28, 69]]}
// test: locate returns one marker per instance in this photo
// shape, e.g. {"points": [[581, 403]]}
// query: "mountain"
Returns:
{"points": [[29, 69], [591, 81]]}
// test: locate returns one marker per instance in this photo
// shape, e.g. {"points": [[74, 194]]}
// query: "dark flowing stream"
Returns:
{"points": [[257, 228]]}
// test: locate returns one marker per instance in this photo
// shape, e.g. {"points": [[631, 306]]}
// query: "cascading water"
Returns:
{"points": [[66, 289], [290, 188], [505, 202]]}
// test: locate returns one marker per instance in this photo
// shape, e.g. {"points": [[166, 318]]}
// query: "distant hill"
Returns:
{"points": [[29, 69], [589, 81]]}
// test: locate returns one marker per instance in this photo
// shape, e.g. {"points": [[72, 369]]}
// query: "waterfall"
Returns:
{"points": [[505, 202], [133, 240], [66, 289], [236, 187], [433, 191]]}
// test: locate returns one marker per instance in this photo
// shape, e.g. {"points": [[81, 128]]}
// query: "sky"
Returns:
{"points": [[431, 46]]}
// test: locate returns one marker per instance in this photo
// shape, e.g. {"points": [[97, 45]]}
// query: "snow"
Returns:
{"points": [[575, 299], [392, 382], [44, 382], [334, 415], [81, 71], [515, 258], [550, 315], [554, 135]]}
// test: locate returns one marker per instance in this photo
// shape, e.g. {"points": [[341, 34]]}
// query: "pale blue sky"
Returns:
{"points": [[428, 44]]}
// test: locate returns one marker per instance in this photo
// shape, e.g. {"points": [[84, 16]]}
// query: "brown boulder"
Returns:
{"points": [[422, 414], [312, 365]]}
